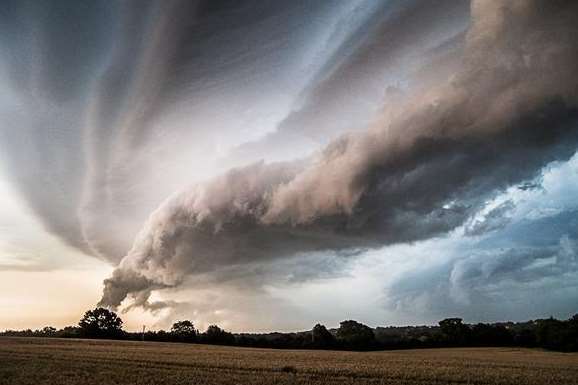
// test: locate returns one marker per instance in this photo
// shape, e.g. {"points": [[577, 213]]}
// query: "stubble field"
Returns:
{"points": [[56, 361]]}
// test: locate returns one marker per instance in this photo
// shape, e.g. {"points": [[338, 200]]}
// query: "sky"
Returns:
{"points": [[270, 165]]}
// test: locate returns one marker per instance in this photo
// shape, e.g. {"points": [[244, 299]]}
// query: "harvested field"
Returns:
{"points": [[57, 361]]}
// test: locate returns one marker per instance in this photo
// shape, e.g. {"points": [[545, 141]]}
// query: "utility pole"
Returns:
{"points": [[143, 332]]}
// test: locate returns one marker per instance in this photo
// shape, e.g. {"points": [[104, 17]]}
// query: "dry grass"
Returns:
{"points": [[54, 361]]}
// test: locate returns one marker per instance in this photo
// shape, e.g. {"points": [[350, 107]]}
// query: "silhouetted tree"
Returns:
{"points": [[354, 335], [100, 323], [48, 331], [525, 337], [490, 335], [558, 335], [69, 332], [549, 333], [216, 335], [321, 337], [573, 333], [454, 331], [184, 331]]}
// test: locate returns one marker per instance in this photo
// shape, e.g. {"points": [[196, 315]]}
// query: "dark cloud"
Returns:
{"points": [[418, 173]]}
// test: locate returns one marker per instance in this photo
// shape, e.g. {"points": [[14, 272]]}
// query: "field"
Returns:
{"points": [[56, 361]]}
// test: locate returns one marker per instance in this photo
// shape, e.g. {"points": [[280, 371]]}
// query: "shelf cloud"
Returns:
{"points": [[232, 147], [420, 170]]}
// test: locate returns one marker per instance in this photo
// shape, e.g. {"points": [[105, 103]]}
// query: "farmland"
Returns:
{"points": [[68, 361]]}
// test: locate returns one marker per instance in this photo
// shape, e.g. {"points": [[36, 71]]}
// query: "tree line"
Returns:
{"points": [[552, 334]]}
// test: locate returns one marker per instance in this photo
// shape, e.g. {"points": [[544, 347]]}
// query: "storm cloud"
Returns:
{"points": [[422, 169], [234, 149]]}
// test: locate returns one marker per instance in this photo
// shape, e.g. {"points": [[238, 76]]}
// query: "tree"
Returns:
{"points": [[100, 323], [454, 331], [490, 335], [525, 337], [573, 333], [70, 332], [355, 335], [216, 335], [552, 334], [321, 337], [48, 331], [184, 331]]}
